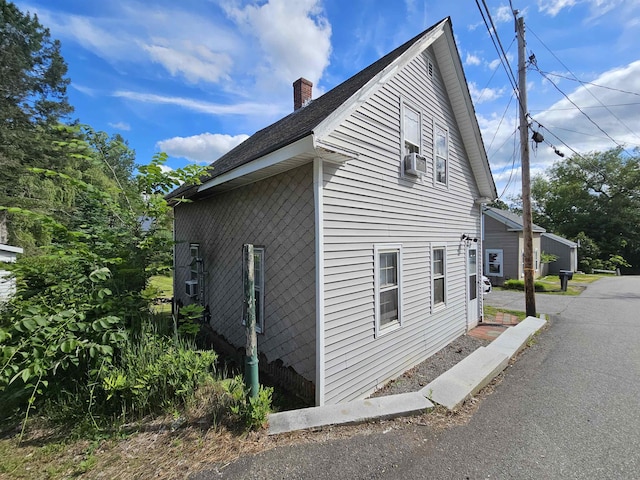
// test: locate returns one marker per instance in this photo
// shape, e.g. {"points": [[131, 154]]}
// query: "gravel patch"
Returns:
{"points": [[422, 374]]}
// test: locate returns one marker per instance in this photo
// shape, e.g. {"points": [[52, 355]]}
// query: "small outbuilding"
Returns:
{"points": [[565, 250], [8, 254]]}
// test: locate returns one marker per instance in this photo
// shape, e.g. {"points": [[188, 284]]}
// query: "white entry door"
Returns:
{"points": [[472, 286]]}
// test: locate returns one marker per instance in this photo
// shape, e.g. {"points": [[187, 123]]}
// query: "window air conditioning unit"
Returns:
{"points": [[191, 288], [415, 164]]}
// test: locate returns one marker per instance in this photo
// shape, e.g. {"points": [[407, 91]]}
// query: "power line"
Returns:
{"points": [[592, 84], [497, 44], [579, 109], [585, 107], [500, 123], [581, 83]]}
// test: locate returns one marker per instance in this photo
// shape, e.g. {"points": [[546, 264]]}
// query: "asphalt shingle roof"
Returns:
{"points": [[511, 217], [300, 123]]}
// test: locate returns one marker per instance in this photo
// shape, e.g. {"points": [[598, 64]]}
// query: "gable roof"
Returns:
{"points": [[559, 239], [302, 122], [512, 221]]}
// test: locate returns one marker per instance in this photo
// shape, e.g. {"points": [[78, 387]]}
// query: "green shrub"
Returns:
{"points": [[155, 373], [253, 412], [519, 285]]}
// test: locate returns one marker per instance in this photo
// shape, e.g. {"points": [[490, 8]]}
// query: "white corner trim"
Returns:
{"points": [[318, 181], [304, 145]]}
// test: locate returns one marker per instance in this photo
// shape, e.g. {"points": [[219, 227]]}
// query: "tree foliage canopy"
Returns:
{"points": [[33, 100], [594, 196]]}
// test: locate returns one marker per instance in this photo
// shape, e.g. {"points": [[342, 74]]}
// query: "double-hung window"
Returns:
{"points": [[439, 269], [411, 129], [441, 154], [388, 280], [258, 276]]}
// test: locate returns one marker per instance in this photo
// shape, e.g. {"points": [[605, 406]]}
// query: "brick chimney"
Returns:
{"points": [[302, 89]]}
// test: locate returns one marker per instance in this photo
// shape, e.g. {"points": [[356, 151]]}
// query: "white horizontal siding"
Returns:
{"points": [[368, 201]]}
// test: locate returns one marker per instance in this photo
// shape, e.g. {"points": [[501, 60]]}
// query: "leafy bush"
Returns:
{"points": [[253, 412], [155, 373], [519, 285]]}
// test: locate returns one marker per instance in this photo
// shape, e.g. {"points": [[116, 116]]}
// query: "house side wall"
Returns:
{"points": [[496, 236], [367, 202], [536, 247], [565, 255], [278, 214]]}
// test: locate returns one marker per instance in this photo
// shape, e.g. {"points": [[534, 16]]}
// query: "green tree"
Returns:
{"points": [[597, 194], [32, 101]]}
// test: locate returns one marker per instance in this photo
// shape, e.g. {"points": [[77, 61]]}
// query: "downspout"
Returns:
{"points": [[481, 248], [319, 246]]}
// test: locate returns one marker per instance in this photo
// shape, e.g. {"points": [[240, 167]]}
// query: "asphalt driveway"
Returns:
{"points": [[545, 303]]}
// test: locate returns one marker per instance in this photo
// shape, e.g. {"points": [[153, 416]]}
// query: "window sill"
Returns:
{"points": [[391, 327]]}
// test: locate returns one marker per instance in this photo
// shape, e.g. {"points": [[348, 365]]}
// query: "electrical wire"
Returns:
{"points": [[591, 83], [591, 106], [587, 89], [497, 44], [500, 124], [579, 109]]}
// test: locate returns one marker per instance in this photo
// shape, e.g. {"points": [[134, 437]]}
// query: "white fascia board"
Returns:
{"points": [[299, 147], [361, 96]]}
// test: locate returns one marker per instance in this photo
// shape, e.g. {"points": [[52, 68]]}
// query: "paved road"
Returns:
{"points": [[569, 408]]}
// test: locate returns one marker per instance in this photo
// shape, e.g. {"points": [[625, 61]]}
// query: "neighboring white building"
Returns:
{"points": [[8, 254], [364, 206]]}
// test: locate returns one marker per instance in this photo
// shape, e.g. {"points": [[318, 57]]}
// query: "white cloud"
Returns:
{"points": [[205, 148], [493, 64], [120, 126], [196, 62], [294, 39], [553, 7], [164, 35], [482, 95], [472, 59], [597, 7], [246, 108], [83, 89], [619, 120], [503, 14]]}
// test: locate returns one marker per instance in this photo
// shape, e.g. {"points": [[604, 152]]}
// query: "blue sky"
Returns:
{"points": [[193, 78]]}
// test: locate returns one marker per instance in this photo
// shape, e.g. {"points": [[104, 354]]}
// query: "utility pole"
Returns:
{"points": [[249, 306], [527, 222]]}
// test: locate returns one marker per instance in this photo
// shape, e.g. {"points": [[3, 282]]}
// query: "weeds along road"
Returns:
{"points": [[568, 408]]}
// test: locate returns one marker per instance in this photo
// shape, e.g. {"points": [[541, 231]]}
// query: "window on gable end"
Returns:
{"points": [[411, 130], [441, 154]]}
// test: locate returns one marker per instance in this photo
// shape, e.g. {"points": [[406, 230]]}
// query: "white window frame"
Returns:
{"points": [[408, 106], [378, 289], [499, 260], [258, 287], [194, 253], [436, 128], [442, 304]]}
